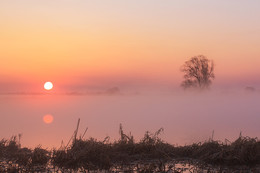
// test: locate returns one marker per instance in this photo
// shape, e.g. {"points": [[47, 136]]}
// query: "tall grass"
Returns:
{"points": [[150, 154]]}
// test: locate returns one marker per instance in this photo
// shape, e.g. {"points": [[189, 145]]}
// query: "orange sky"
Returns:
{"points": [[67, 41], [137, 46]]}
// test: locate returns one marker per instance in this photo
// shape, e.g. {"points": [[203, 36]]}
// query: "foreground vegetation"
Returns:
{"points": [[150, 154]]}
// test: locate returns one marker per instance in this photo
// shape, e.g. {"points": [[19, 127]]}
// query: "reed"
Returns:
{"points": [[149, 154]]}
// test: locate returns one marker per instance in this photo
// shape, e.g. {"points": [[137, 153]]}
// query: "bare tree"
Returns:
{"points": [[198, 72]]}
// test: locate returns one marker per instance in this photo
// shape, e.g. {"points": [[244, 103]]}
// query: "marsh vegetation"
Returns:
{"points": [[150, 154]]}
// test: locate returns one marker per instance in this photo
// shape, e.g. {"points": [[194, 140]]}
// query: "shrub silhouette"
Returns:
{"points": [[150, 154]]}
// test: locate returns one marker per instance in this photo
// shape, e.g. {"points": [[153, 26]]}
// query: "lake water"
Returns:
{"points": [[186, 118]]}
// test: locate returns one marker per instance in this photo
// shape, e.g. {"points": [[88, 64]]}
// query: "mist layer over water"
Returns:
{"points": [[185, 117]]}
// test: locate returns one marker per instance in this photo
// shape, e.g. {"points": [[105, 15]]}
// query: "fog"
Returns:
{"points": [[186, 117]]}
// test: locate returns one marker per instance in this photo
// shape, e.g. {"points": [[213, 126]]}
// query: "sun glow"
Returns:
{"points": [[48, 118], [48, 85]]}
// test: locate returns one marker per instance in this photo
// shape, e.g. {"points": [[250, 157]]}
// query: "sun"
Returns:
{"points": [[48, 85]]}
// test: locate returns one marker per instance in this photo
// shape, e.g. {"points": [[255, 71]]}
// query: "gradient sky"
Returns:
{"points": [[79, 43], [138, 46]]}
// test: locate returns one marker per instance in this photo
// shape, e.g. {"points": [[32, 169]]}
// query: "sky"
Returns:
{"points": [[80, 44], [85, 48]]}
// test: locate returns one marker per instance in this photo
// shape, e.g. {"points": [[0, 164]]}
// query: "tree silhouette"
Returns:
{"points": [[198, 72]]}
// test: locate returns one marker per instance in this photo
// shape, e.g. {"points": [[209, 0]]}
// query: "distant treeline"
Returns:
{"points": [[150, 154]]}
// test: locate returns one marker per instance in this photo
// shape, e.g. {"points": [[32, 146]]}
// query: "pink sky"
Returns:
{"points": [[66, 41], [138, 46]]}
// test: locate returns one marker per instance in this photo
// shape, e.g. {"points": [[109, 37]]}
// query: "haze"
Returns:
{"points": [[87, 48]]}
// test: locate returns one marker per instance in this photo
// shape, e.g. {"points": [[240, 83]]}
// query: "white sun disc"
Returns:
{"points": [[48, 85]]}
